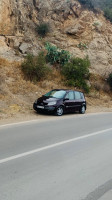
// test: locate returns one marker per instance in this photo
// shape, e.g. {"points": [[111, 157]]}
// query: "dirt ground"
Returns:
{"points": [[32, 115]]}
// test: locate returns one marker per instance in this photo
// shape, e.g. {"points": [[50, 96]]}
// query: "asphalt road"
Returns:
{"points": [[64, 158]]}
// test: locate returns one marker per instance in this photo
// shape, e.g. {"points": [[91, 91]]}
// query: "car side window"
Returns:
{"points": [[70, 95], [77, 95]]}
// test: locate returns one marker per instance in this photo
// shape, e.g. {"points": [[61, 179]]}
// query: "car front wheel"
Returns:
{"points": [[59, 111], [82, 110]]}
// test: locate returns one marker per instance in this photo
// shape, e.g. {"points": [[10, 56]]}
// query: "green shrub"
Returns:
{"points": [[34, 67], [96, 24], [64, 57], [52, 53], [82, 46], [76, 72], [43, 29], [55, 55], [109, 80], [108, 13], [87, 3], [96, 4]]}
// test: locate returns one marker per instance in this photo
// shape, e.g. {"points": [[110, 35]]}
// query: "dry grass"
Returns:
{"points": [[99, 83], [6, 62]]}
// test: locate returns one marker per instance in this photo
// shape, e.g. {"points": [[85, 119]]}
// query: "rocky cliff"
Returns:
{"points": [[72, 28]]}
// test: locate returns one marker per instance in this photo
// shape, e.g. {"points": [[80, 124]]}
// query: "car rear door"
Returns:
{"points": [[78, 100]]}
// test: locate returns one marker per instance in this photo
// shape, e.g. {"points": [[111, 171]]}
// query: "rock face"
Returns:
{"points": [[80, 31]]}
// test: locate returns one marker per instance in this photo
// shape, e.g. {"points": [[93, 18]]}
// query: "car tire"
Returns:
{"points": [[59, 111], [82, 110]]}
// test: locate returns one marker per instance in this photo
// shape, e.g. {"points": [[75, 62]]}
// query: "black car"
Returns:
{"points": [[61, 101]]}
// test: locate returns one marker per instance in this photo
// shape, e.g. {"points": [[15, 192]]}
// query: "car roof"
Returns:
{"points": [[67, 90]]}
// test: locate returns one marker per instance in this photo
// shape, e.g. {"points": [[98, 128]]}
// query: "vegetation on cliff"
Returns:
{"points": [[105, 5], [43, 29], [74, 70], [76, 73], [56, 56], [35, 67]]}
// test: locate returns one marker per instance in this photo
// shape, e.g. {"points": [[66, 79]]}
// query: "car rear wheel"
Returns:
{"points": [[59, 111], [82, 110]]}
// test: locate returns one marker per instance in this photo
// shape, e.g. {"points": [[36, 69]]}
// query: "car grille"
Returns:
{"points": [[42, 104]]}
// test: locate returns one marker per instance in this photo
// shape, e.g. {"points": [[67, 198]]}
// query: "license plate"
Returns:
{"points": [[42, 107]]}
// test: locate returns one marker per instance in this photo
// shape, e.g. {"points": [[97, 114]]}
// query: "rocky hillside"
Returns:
{"points": [[72, 28]]}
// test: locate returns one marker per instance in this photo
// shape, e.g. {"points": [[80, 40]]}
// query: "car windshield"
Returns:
{"points": [[56, 94]]}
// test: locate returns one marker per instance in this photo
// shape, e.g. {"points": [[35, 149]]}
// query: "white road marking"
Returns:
{"points": [[52, 146]]}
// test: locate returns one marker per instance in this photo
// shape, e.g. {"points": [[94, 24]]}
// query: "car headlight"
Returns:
{"points": [[52, 103], [35, 101]]}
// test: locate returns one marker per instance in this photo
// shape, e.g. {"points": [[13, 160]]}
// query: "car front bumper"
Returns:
{"points": [[44, 108]]}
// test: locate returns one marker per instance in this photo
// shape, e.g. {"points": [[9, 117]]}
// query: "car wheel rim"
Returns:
{"points": [[59, 111], [83, 109]]}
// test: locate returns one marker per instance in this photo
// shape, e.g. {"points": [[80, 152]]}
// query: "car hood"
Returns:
{"points": [[45, 99]]}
